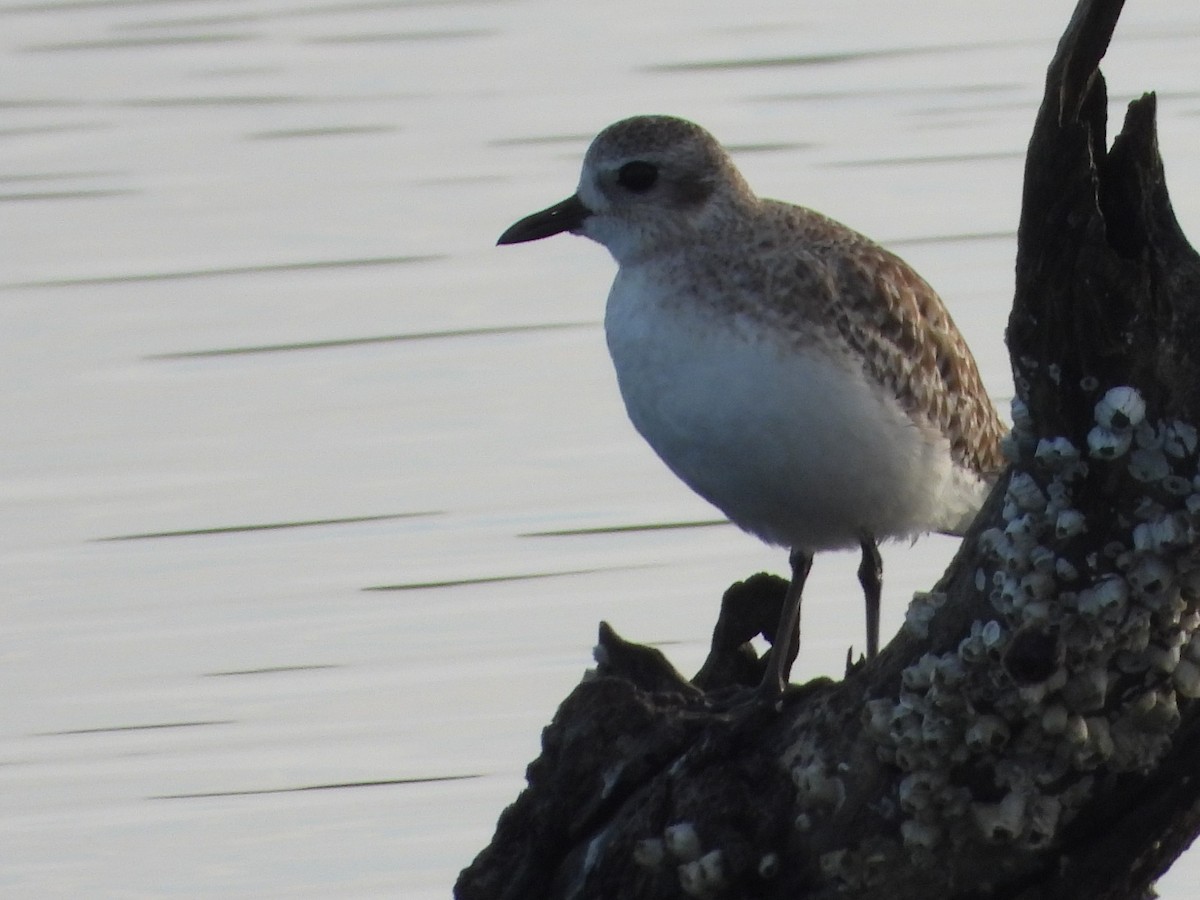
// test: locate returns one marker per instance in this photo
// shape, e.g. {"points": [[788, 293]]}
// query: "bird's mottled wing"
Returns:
{"points": [[895, 322]]}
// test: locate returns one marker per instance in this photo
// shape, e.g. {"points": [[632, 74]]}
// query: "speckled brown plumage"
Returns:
{"points": [[895, 323]]}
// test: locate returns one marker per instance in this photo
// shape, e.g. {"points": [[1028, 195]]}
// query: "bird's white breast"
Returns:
{"points": [[784, 434]]}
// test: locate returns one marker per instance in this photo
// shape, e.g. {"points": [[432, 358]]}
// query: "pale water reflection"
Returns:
{"points": [[312, 499]]}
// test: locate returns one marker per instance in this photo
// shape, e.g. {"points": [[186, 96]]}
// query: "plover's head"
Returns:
{"points": [[647, 182]]}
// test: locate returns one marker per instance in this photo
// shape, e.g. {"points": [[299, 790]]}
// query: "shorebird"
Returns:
{"points": [[798, 376]]}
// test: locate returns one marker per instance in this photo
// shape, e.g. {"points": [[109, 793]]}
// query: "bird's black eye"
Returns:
{"points": [[637, 176]]}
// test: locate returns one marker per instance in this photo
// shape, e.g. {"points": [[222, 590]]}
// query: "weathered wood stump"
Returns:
{"points": [[1032, 731]]}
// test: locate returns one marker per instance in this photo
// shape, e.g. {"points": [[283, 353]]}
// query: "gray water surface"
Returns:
{"points": [[311, 498]]}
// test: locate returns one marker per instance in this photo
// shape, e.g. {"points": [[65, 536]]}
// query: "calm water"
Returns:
{"points": [[311, 497]]}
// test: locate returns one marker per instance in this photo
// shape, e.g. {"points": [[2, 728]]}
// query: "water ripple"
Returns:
{"points": [[89, 281], [268, 526], [337, 786], [373, 339]]}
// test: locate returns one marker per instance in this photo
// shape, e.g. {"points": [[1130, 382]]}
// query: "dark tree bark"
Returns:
{"points": [[1031, 732]]}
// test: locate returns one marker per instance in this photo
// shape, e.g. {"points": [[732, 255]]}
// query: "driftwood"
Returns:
{"points": [[1032, 730]]}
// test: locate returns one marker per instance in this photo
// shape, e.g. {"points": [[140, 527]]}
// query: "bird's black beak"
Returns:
{"points": [[565, 216]]}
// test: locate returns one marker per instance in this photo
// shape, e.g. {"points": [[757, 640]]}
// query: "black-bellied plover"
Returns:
{"points": [[795, 374]]}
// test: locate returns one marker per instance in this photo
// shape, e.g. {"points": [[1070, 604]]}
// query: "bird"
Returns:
{"points": [[792, 372]]}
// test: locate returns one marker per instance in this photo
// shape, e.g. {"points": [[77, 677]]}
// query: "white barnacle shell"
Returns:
{"points": [[1186, 679], [1065, 569], [1099, 746], [1156, 710], [1143, 538], [1057, 679], [1022, 531], [1022, 420], [1177, 485], [768, 866], [1179, 439], [1089, 383], [815, 786], [1170, 531], [1058, 492], [1009, 510], [1149, 465], [983, 641], [712, 868], [919, 675], [917, 790], [994, 543], [992, 634], [1135, 630], [920, 835], [833, 864], [1003, 821], [987, 733], [1042, 826], [1076, 731], [1168, 709], [970, 649], [990, 637], [950, 670], [1165, 659], [1053, 452], [1033, 694], [938, 732], [705, 876], [1114, 549], [1069, 523], [683, 841], [1042, 559], [1189, 585], [1025, 493], [1009, 595], [1150, 577], [1120, 408], [1169, 610], [877, 717], [921, 611], [1105, 444], [1192, 649], [1037, 586], [1106, 596]]}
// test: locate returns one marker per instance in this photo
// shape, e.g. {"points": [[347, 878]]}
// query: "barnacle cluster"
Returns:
{"points": [[1089, 651], [702, 873]]}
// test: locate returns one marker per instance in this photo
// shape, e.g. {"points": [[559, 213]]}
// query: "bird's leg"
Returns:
{"points": [[787, 633], [870, 576]]}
